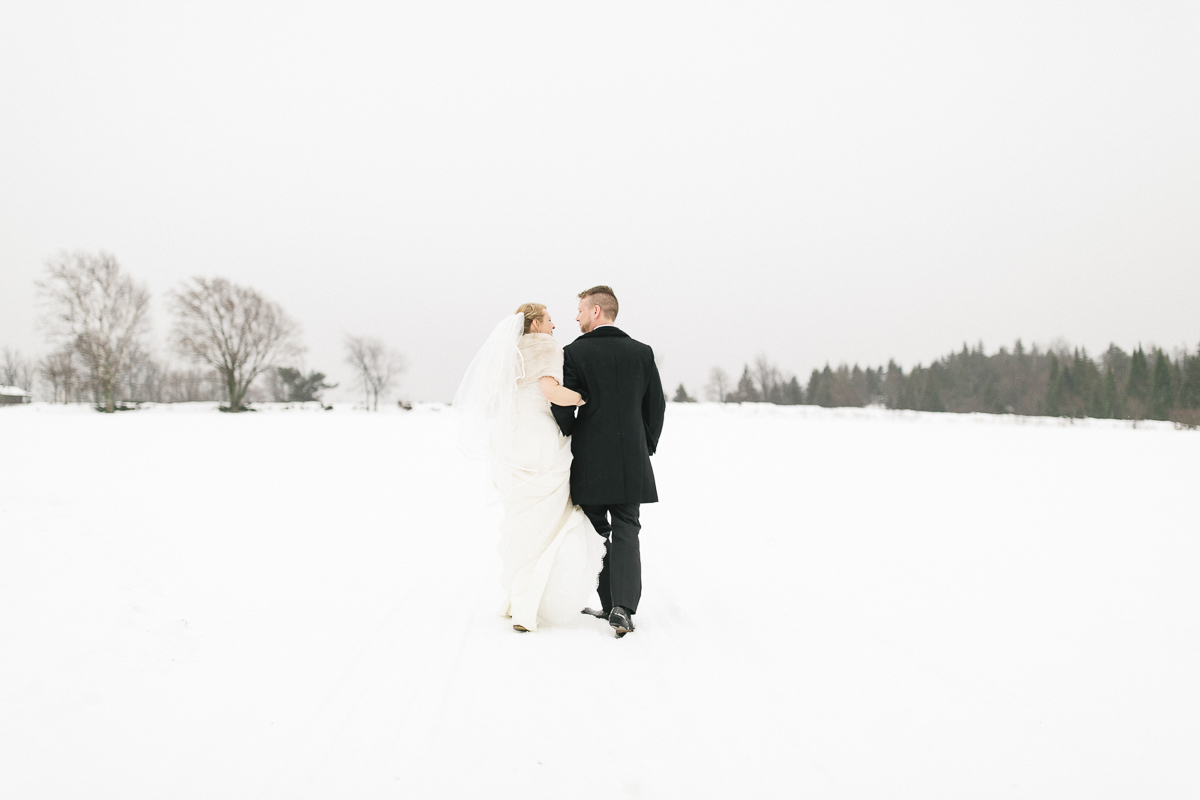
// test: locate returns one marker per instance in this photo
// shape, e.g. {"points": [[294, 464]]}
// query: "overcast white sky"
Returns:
{"points": [[813, 181]]}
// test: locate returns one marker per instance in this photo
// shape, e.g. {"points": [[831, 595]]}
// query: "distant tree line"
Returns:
{"points": [[760, 383], [1058, 381], [238, 346]]}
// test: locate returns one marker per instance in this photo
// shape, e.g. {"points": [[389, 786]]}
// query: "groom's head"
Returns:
{"points": [[597, 306]]}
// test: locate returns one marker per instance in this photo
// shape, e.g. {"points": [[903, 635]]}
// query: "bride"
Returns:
{"points": [[551, 555]]}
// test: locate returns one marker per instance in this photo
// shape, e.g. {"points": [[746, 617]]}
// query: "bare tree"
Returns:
{"points": [[376, 366], [16, 370], [233, 329], [718, 385], [767, 375], [91, 304], [145, 379], [60, 370], [191, 385]]}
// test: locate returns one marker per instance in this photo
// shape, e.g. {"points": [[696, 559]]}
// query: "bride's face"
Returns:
{"points": [[543, 325]]}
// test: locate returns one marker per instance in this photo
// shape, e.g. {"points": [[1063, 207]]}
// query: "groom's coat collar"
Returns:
{"points": [[607, 330]]}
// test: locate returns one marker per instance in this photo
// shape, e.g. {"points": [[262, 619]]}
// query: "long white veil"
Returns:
{"points": [[486, 398]]}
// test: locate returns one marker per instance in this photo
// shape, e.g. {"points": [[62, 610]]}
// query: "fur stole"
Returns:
{"points": [[543, 356]]}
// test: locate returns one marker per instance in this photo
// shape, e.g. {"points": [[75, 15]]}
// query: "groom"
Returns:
{"points": [[613, 438]]}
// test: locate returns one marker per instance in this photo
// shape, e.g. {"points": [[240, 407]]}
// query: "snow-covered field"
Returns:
{"points": [[838, 604]]}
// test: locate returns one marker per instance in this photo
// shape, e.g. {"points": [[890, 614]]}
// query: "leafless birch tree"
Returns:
{"points": [[718, 385], [376, 367], [233, 329], [91, 305]]}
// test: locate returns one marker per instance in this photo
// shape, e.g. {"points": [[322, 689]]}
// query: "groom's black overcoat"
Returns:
{"points": [[617, 430]]}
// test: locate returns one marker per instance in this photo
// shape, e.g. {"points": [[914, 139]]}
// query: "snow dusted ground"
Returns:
{"points": [[838, 604]]}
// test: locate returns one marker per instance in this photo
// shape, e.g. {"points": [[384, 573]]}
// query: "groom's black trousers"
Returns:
{"points": [[621, 578]]}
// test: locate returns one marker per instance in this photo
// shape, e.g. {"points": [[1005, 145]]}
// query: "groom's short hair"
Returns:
{"points": [[604, 297]]}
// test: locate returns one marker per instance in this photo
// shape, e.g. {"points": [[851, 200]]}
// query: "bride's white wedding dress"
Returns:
{"points": [[551, 555]]}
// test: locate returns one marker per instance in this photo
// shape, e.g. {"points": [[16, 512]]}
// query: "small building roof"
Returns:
{"points": [[13, 391]]}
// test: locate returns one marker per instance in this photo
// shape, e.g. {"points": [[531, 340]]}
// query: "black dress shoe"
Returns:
{"points": [[591, 612], [620, 619]]}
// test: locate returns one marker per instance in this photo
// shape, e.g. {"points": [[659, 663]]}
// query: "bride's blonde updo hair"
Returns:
{"points": [[532, 311]]}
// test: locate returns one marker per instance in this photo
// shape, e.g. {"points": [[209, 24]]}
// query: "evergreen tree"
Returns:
{"points": [[301, 388], [1162, 389], [746, 391], [1189, 390], [893, 385], [1086, 378], [825, 388], [992, 403], [1137, 385], [1120, 362], [681, 395], [1176, 380], [1109, 401], [1052, 405], [814, 389], [931, 397], [858, 387], [793, 395], [777, 394], [913, 389], [874, 391]]}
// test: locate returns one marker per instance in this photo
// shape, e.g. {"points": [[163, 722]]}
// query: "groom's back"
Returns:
{"points": [[618, 428]]}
